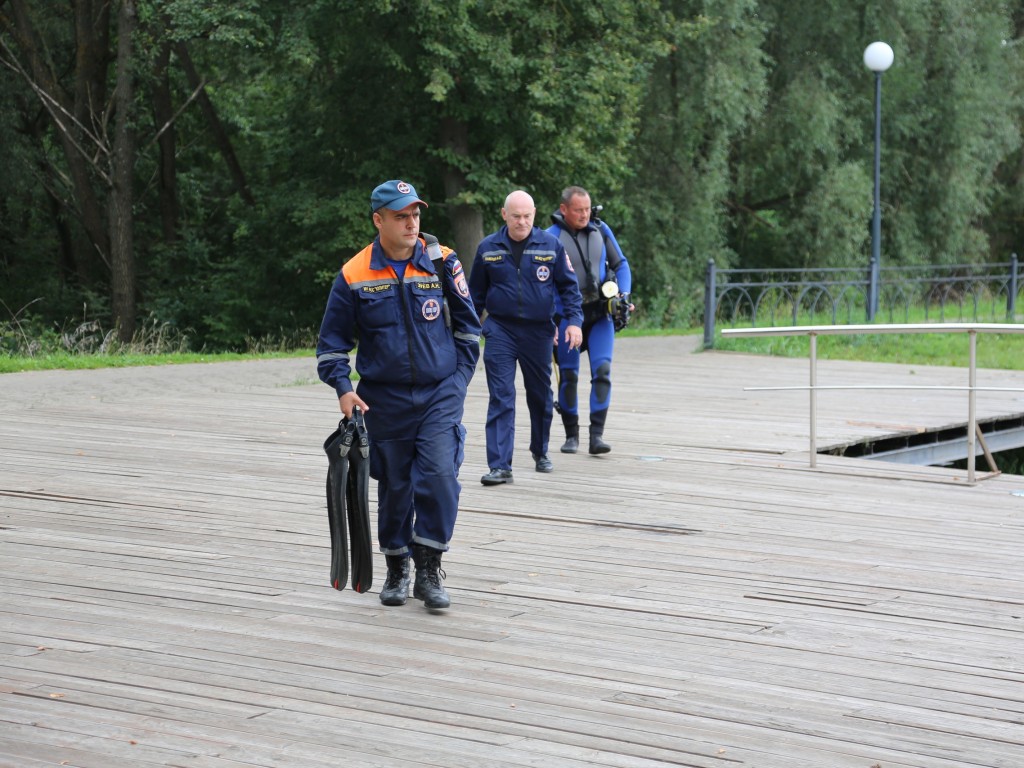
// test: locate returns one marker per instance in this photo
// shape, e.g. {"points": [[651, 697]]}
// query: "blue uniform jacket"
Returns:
{"points": [[399, 326], [529, 293]]}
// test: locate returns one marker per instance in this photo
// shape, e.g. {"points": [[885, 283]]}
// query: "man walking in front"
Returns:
{"points": [[406, 301]]}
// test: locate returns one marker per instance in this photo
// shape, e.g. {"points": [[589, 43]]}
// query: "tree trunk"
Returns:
{"points": [[467, 221], [72, 141], [70, 268], [220, 136], [163, 112], [92, 44], [122, 253]]}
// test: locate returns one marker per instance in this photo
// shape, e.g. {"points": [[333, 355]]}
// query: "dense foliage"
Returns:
{"points": [[206, 166]]}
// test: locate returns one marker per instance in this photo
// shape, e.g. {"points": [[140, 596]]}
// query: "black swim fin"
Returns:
{"points": [[358, 504]]}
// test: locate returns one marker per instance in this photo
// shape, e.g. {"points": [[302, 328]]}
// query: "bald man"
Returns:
{"points": [[517, 274]]}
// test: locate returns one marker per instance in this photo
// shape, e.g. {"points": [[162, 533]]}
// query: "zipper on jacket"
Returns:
{"points": [[408, 325], [519, 290]]}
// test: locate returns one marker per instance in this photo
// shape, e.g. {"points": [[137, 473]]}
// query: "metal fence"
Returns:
{"points": [[833, 296]]}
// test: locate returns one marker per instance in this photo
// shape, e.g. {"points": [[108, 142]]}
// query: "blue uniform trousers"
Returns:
{"points": [[417, 443], [598, 339], [530, 345]]}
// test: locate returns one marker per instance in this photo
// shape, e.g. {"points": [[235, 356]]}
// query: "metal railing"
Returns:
{"points": [[959, 292], [813, 331]]}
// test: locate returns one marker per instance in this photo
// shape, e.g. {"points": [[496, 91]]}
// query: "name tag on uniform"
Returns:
{"points": [[542, 259], [372, 289], [495, 257], [434, 285]]}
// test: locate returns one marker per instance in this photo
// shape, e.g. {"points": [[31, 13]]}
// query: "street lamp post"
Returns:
{"points": [[878, 58]]}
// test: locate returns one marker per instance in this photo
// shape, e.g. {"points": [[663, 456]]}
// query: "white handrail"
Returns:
{"points": [[813, 331], [850, 330]]}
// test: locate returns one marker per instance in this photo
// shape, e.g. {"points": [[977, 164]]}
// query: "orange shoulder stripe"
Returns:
{"points": [[357, 269]]}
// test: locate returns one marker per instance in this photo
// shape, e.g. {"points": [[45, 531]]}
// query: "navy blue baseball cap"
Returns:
{"points": [[394, 195]]}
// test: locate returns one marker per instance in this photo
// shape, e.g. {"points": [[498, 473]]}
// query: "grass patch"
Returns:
{"points": [[78, 361], [26, 345], [630, 332], [90, 347], [994, 350]]}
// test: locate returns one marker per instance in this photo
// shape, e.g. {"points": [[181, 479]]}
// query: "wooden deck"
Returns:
{"points": [[699, 597]]}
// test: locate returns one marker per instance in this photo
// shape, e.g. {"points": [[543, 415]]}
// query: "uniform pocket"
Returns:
{"points": [[460, 446], [378, 310], [428, 305]]}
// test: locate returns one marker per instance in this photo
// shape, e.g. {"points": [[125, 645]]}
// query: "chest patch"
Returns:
{"points": [[431, 309], [543, 273]]}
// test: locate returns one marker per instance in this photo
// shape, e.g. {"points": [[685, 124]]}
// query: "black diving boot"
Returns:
{"points": [[597, 445], [428, 586], [572, 435]]}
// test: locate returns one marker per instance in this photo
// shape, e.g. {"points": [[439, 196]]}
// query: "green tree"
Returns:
{"points": [[81, 111], [951, 114], [760, 127], [701, 99], [472, 99], [953, 107], [209, 163], [467, 100]]}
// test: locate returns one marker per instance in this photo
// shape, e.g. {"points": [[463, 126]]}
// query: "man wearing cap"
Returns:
{"points": [[407, 303], [517, 274]]}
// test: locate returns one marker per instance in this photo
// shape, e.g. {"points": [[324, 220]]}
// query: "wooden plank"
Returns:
{"points": [[699, 596]]}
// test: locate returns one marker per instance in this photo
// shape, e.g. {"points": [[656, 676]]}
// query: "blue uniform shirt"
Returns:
{"points": [[527, 293], [398, 323]]}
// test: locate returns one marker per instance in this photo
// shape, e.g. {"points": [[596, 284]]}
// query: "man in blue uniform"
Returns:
{"points": [[517, 274], [407, 302], [604, 277]]}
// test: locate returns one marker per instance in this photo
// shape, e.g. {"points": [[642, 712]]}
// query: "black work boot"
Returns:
{"points": [[543, 463], [396, 584], [572, 437], [428, 586], [497, 476]]}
